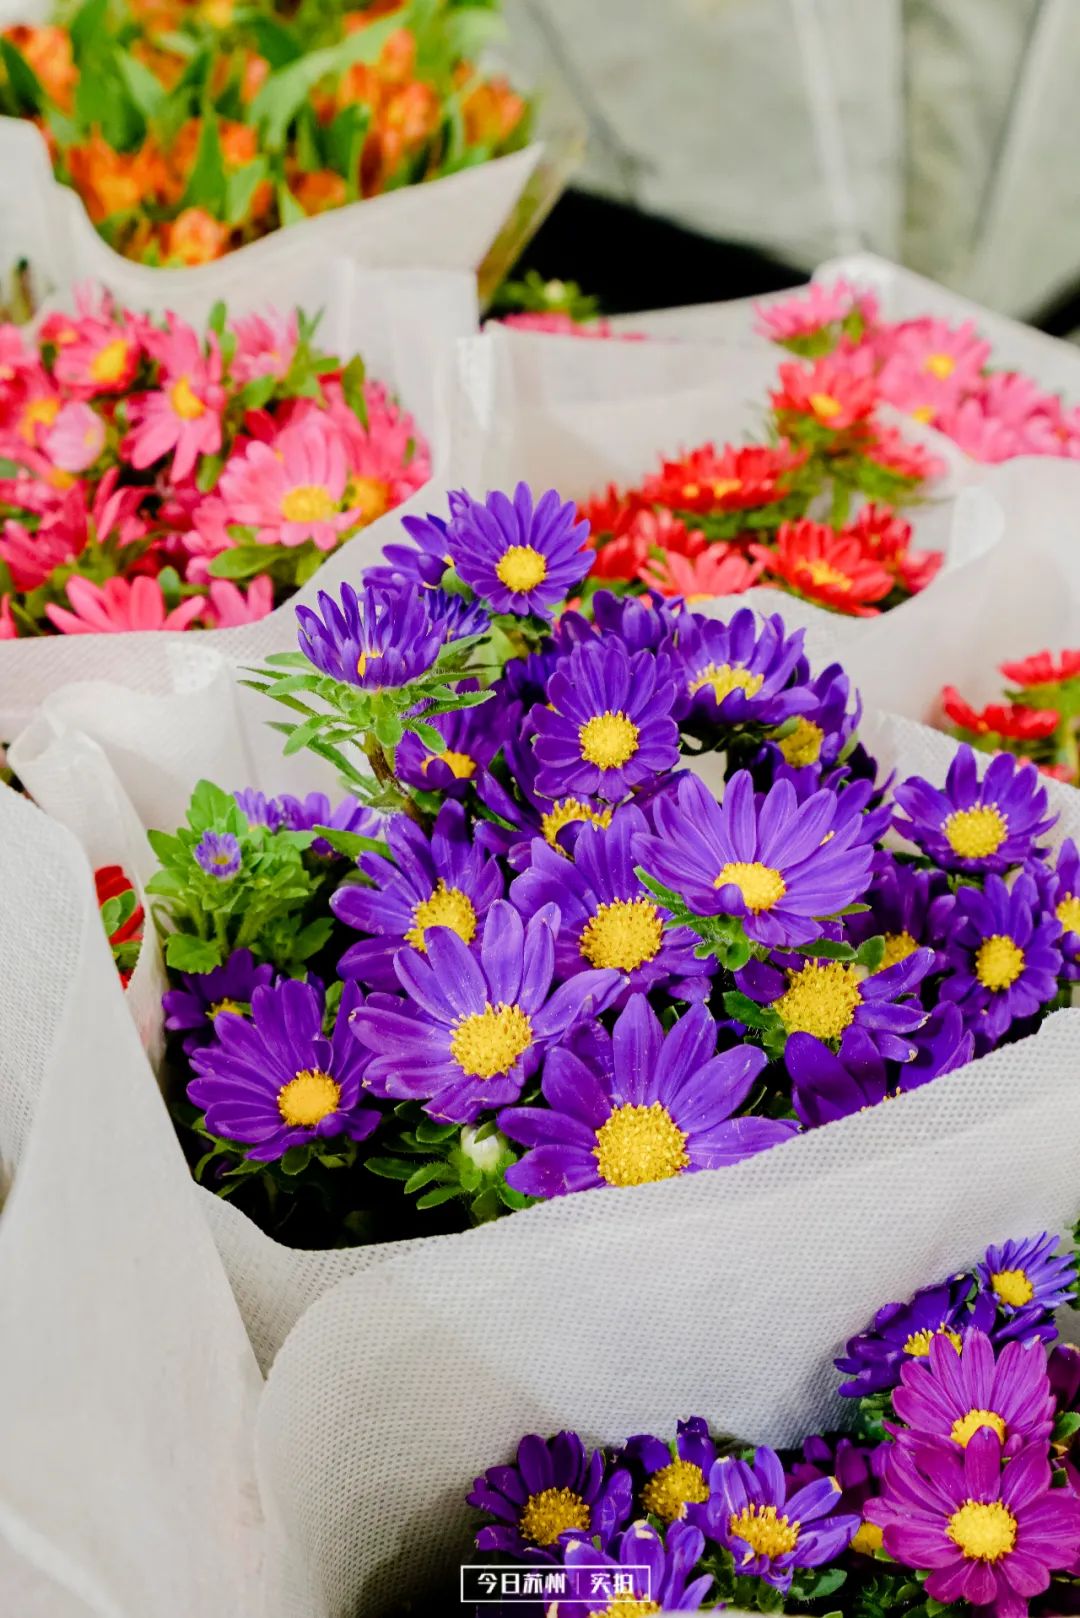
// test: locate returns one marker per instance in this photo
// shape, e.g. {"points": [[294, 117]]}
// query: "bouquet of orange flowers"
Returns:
{"points": [[191, 129]]}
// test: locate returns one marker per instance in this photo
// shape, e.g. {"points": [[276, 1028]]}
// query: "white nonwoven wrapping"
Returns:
{"points": [[127, 1385], [405, 324], [446, 224]]}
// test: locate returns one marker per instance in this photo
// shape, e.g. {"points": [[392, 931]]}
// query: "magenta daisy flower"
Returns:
{"points": [[974, 825], [984, 1533], [648, 1107], [519, 557], [277, 1080], [469, 1031], [776, 863], [293, 490], [953, 1393], [609, 727], [182, 416], [769, 1535]]}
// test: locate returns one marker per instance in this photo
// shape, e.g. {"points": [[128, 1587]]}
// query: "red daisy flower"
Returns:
{"points": [[1042, 669], [733, 480], [824, 566], [1000, 718], [889, 449], [836, 392], [608, 513], [886, 538], [638, 536], [721, 570]]}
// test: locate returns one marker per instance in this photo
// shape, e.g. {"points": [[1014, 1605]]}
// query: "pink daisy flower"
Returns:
{"points": [[229, 605], [97, 356], [810, 311], [721, 570], [119, 606], [31, 557], [29, 408], [207, 537], [1012, 397], [917, 392], [76, 438], [388, 459], [265, 345], [983, 437], [182, 418], [292, 492], [949, 353]]}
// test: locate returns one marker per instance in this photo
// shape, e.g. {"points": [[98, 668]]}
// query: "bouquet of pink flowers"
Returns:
{"points": [[153, 476]]}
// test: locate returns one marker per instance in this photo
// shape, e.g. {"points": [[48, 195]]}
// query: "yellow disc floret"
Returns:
{"points": [[999, 961], [975, 834], [802, 745], [765, 1531], [821, 999], [308, 1098], [308, 502], [446, 907], [608, 740], [1068, 913], [1012, 1287], [964, 1428], [521, 568], [918, 1344], [898, 946], [490, 1041], [670, 1489], [565, 813], [636, 1145], [723, 678], [985, 1530], [186, 403], [761, 886], [623, 934], [550, 1513]]}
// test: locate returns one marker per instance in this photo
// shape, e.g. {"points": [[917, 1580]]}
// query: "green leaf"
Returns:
{"points": [[187, 954], [242, 562], [209, 471], [206, 182], [747, 1011], [345, 144], [829, 949], [425, 1174], [273, 40], [88, 25], [871, 953], [257, 392], [26, 86], [352, 386], [295, 1160], [146, 92], [240, 188], [389, 1168], [441, 1194], [290, 210], [210, 805], [429, 1133], [352, 845], [311, 938]]}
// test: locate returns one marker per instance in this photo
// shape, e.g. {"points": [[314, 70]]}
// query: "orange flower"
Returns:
{"points": [[409, 118], [492, 112], [194, 237], [320, 191], [239, 143], [115, 182], [48, 51], [255, 74]]}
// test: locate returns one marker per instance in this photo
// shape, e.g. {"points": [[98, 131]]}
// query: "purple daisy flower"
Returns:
{"points": [[218, 853], [659, 1105], [770, 1534], [643, 623], [672, 1476], [983, 1533], [1061, 889], [823, 732], [901, 899], [826, 1086], [609, 727], [520, 558], [277, 1081], [858, 1470], [1003, 960], [776, 863], [192, 1010], [901, 1331], [379, 637], [740, 672], [472, 737], [826, 998], [424, 561], [449, 882], [666, 1584], [1028, 1280], [556, 1487], [470, 1031], [951, 1394], [258, 809], [454, 617], [974, 825], [526, 814], [608, 917], [301, 814]]}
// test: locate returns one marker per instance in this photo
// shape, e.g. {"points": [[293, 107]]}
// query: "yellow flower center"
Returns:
{"points": [[940, 365], [898, 946], [824, 406], [821, 999], [368, 496], [998, 962], [363, 660], [667, 1491], [460, 765], [868, 1539], [565, 813], [447, 907], [490, 1041], [976, 833], [38, 413], [802, 745], [691, 491], [766, 1533], [725, 486], [222, 1005], [636, 1145], [627, 1606], [1012, 1287], [1068, 913], [760, 885], [608, 740], [923, 413], [722, 678], [521, 568], [308, 502], [918, 1344], [186, 403], [308, 1098], [550, 1513], [964, 1428], [624, 934], [985, 1530], [110, 362], [823, 573]]}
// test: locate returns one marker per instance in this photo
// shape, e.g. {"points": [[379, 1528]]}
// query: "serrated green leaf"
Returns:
{"points": [[187, 954]]}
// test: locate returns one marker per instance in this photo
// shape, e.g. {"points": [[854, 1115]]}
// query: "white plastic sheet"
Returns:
{"points": [[405, 324]]}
